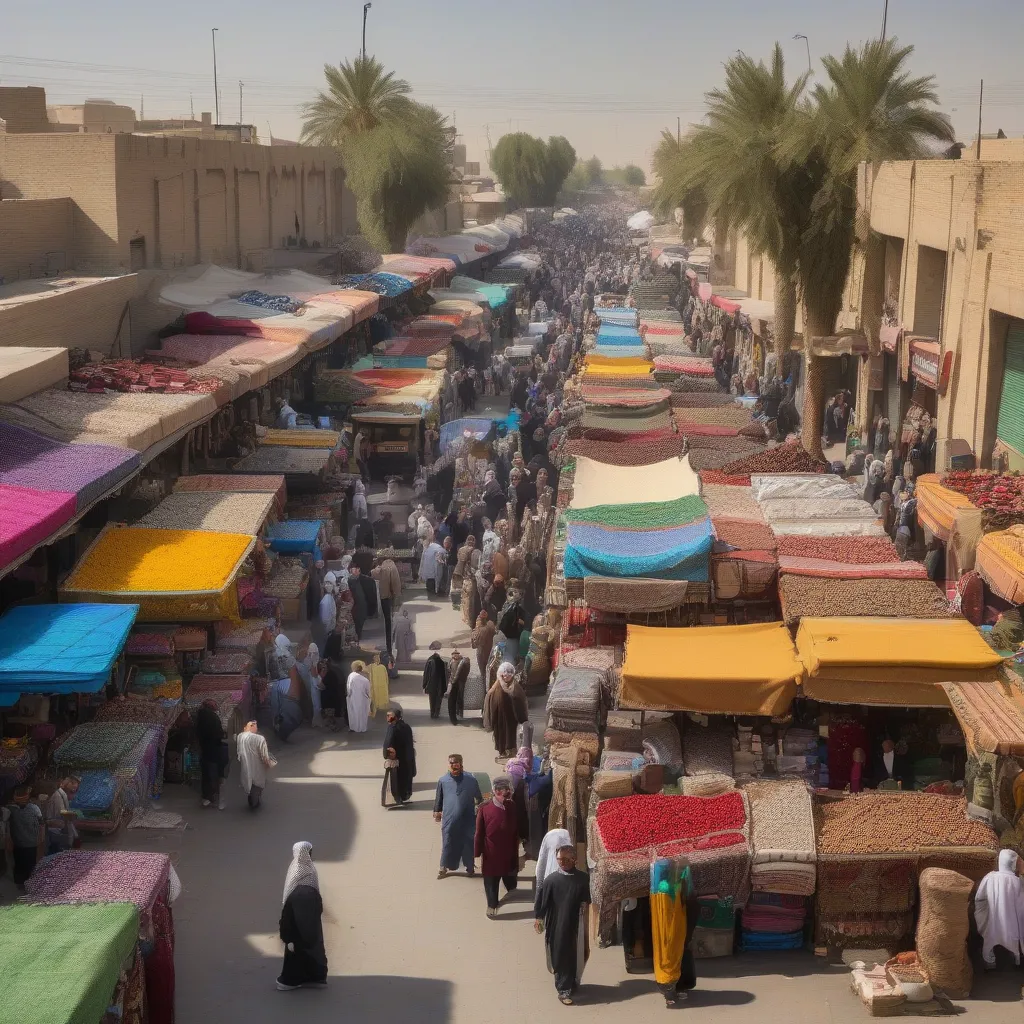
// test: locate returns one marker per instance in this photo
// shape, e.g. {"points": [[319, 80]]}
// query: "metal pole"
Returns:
{"points": [[981, 96], [239, 101], [885, 18], [366, 8], [216, 95], [807, 43]]}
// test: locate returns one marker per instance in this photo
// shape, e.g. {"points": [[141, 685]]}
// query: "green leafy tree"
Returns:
{"points": [[634, 176], [870, 109], [595, 172], [394, 149], [531, 171]]}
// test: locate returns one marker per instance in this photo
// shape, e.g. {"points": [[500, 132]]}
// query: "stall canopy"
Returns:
{"points": [[991, 716], [729, 670], [54, 648], [211, 511], [1000, 560], [173, 575], [63, 963], [846, 659]]}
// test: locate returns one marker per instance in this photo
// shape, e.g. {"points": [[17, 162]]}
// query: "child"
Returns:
{"points": [[27, 831]]}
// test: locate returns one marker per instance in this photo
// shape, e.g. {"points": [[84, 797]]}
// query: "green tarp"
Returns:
{"points": [[60, 965]]}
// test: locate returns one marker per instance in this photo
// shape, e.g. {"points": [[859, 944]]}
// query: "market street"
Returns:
{"points": [[402, 945]]}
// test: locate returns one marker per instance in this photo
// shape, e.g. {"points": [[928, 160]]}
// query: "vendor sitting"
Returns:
{"points": [[892, 766], [60, 832]]}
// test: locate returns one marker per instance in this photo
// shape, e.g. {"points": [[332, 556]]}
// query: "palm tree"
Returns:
{"points": [[735, 159], [360, 96], [870, 110]]}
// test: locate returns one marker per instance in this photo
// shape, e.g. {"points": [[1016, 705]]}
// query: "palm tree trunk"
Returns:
{"points": [[814, 387], [784, 326]]}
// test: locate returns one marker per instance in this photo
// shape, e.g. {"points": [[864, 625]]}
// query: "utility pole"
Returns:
{"points": [[216, 94], [366, 8], [807, 43], [885, 18], [239, 101], [191, 107], [981, 96], [142, 107]]}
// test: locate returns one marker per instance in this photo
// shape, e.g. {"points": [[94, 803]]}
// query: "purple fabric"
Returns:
{"points": [[28, 459]]}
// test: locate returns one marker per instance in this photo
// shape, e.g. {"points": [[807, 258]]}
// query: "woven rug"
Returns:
{"points": [[628, 452], [781, 822], [828, 569], [863, 550], [731, 502], [638, 595]]}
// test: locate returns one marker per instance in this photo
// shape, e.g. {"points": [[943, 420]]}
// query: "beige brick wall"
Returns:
{"points": [[36, 237], [23, 108]]}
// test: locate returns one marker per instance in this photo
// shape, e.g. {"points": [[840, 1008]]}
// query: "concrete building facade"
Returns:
{"points": [[938, 278]]}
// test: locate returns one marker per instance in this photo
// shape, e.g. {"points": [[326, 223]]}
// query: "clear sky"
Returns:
{"points": [[608, 76]]}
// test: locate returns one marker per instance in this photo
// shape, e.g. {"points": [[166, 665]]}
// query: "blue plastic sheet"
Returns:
{"points": [[294, 535]]}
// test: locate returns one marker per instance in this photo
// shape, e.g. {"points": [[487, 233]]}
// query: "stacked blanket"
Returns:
{"points": [[575, 699], [782, 836]]}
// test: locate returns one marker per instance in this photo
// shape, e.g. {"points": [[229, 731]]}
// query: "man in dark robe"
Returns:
{"points": [[559, 911], [301, 930], [434, 683], [360, 610], [455, 804], [496, 843], [458, 673], [399, 746]]}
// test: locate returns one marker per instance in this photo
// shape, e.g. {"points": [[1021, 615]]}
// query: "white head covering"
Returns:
{"points": [[283, 647], [330, 583], [553, 841], [301, 871], [312, 656]]}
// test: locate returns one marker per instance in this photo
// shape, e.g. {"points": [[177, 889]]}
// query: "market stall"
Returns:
{"points": [[211, 511], [173, 575]]}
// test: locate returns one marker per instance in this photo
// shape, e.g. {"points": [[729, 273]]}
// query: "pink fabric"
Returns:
{"points": [[725, 304], [205, 323], [28, 517], [201, 348]]}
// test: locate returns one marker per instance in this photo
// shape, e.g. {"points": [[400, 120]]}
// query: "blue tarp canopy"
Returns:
{"points": [[454, 430], [61, 648], [295, 535]]}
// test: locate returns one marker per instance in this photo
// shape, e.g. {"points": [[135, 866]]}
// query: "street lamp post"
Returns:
{"points": [[366, 8], [885, 18], [800, 35], [216, 95]]}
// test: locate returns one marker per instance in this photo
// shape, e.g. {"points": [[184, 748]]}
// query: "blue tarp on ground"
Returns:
{"points": [[616, 334], [621, 315], [61, 648]]}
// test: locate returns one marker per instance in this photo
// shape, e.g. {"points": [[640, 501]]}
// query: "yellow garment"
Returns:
{"points": [[134, 560], [379, 698], [727, 670], [668, 935], [894, 650], [302, 438]]}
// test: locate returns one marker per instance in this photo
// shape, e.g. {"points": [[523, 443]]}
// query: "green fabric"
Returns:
{"points": [[643, 515], [60, 965]]}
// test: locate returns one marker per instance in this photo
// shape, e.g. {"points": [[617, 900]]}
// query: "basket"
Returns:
{"points": [[906, 971]]}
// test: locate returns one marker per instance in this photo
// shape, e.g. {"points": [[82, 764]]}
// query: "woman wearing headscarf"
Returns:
{"points": [[212, 752], [400, 750], [357, 690], [458, 673], [332, 693], [309, 672], [327, 613], [553, 841], [301, 928], [505, 706], [559, 912], [470, 602], [359, 508], [496, 843], [483, 641], [999, 910]]}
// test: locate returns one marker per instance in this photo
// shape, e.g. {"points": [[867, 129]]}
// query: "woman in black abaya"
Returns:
{"points": [[305, 959]]}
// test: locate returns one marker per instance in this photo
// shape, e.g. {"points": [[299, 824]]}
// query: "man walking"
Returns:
{"points": [[390, 584], [455, 804], [458, 673], [254, 758], [496, 843], [560, 911]]}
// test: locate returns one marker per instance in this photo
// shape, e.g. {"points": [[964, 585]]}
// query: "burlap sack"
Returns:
{"points": [[942, 929]]}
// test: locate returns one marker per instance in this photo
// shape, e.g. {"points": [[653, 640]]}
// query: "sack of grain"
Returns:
{"points": [[942, 929]]}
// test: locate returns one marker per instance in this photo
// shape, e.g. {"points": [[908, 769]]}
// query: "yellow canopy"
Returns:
{"points": [[593, 359], [890, 694], [600, 372], [894, 650], [714, 670]]}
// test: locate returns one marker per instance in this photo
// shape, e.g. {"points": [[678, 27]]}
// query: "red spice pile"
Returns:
{"points": [[1000, 496], [634, 822], [850, 550], [716, 476], [783, 458], [127, 375]]}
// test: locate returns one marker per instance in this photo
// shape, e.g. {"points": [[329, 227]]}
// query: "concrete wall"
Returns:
{"points": [[36, 237], [85, 317], [23, 108], [102, 118]]}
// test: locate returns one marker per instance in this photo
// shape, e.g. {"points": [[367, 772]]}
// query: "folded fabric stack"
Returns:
{"points": [[747, 755], [98, 799], [799, 758], [575, 700], [715, 932], [782, 836], [772, 921], [127, 375], [157, 680]]}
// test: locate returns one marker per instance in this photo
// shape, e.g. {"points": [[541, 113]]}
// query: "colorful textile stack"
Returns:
{"points": [[773, 921], [782, 836], [28, 517], [86, 947], [118, 878], [575, 700], [129, 375], [157, 680]]}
